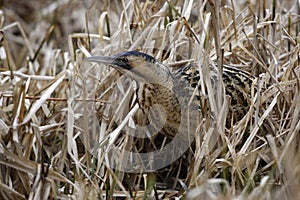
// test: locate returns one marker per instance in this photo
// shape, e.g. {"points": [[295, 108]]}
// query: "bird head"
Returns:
{"points": [[138, 66]]}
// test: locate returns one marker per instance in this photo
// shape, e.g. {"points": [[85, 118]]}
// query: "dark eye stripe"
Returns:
{"points": [[122, 62], [125, 60]]}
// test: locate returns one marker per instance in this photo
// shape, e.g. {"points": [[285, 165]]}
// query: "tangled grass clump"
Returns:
{"points": [[53, 145]]}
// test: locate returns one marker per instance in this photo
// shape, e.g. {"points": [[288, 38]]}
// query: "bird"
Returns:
{"points": [[172, 103], [164, 95]]}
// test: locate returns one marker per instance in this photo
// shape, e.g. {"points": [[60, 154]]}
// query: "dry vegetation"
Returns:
{"points": [[53, 147]]}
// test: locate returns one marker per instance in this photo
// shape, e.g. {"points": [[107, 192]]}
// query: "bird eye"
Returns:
{"points": [[125, 60]]}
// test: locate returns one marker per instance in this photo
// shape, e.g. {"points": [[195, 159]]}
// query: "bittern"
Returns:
{"points": [[172, 91]]}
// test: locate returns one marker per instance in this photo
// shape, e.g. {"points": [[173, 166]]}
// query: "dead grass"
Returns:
{"points": [[59, 115]]}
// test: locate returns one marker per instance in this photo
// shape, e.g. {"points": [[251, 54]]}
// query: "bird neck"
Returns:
{"points": [[154, 74]]}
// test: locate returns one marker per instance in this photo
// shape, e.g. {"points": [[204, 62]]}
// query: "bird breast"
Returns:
{"points": [[161, 107]]}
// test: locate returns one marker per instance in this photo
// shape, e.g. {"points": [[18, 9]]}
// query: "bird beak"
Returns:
{"points": [[101, 59]]}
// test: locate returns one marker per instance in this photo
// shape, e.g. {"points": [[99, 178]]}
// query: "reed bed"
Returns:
{"points": [[60, 114]]}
